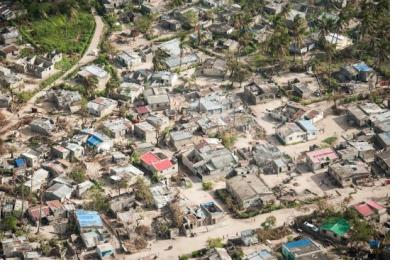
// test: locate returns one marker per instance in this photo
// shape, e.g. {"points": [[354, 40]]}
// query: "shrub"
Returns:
{"points": [[207, 186], [214, 243]]}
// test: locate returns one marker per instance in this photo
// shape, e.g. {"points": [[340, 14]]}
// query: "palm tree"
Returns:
{"points": [[299, 28], [285, 13], [325, 26], [90, 85]]}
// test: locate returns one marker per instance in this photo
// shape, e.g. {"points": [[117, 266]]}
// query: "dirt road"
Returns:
{"points": [[230, 227], [90, 55]]}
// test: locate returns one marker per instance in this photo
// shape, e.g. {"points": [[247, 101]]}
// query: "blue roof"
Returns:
{"points": [[307, 125], [88, 218], [20, 162], [298, 243], [94, 141], [362, 67]]}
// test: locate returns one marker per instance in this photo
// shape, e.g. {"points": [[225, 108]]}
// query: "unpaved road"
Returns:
{"points": [[89, 56], [229, 227]]}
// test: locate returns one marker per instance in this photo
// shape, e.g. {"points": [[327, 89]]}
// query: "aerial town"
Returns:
{"points": [[195, 130]]}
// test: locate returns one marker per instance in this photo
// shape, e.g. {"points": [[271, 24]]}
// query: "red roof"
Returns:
{"points": [[375, 205], [158, 164], [143, 110], [364, 209], [54, 204], [162, 165], [149, 158], [318, 155], [34, 212]]}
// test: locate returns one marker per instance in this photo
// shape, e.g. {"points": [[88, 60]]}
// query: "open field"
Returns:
{"points": [[68, 35]]}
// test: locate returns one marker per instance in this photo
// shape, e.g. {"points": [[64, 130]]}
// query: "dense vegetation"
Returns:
{"points": [[61, 32]]}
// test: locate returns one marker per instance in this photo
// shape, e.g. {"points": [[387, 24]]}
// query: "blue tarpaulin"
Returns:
{"points": [[94, 141], [362, 67], [298, 243], [88, 218], [374, 244], [19, 162]]}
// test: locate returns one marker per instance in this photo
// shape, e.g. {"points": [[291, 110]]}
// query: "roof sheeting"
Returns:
{"points": [[88, 218], [337, 225]]}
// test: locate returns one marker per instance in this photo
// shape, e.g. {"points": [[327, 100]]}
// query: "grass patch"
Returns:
{"points": [[330, 140], [68, 35], [65, 64]]}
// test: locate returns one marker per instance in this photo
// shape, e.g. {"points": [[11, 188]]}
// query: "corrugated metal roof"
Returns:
{"points": [[88, 218]]}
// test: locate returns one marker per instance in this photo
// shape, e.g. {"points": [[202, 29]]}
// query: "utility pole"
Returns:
{"points": [[41, 206]]}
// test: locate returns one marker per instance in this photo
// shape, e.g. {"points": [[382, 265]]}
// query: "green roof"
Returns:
{"points": [[337, 225]]}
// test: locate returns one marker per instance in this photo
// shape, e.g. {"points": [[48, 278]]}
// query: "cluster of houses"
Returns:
{"points": [[141, 145]]}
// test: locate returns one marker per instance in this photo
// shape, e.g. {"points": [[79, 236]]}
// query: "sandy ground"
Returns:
{"points": [[230, 227]]}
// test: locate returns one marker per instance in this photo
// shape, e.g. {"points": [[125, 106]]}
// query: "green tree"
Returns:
{"points": [[144, 23], [78, 174], [207, 186], [135, 158], [177, 216], [98, 201], [191, 18], [143, 193], [9, 223]]}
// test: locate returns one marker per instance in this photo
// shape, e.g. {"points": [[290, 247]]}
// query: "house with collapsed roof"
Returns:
{"points": [[181, 139], [360, 114], [161, 194], [66, 99], [129, 172], [256, 93], [339, 41], [213, 212], [211, 125], [101, 106], [347, 174], [43, 126], [18, 247], [268, 158], [209, 160], [382, 161], [128, 92], [157, 99], [94, 71], [128, 59], [249, 191], [158, 163], [146, 131], [214, 68], [38, 66], [118, 127], [215, 103]]}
